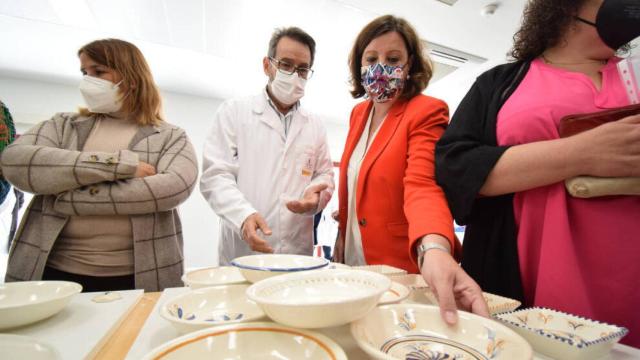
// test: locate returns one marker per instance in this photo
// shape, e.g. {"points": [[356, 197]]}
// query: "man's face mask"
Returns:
{"points": [[382, 82], [617, 22]]}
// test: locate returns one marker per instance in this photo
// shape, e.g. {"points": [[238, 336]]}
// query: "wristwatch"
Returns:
{"points": [[424, 247]]}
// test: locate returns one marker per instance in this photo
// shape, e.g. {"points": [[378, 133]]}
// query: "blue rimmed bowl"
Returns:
{"points": [[258, 267]]}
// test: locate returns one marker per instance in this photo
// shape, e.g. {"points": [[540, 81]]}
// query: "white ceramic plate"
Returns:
{"points": [[212, 276], [23, 347], [396, 293], [26, 302], [561, 335], [415, 331], [315, 299], [211, 306], [258, 267], [252, 341]]}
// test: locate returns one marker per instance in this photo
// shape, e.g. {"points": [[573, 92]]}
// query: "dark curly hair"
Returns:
{"points": [[420, 68], [544, 22]]}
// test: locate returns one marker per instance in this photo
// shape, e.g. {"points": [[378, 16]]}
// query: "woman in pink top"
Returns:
{"points": [[502, 165]]}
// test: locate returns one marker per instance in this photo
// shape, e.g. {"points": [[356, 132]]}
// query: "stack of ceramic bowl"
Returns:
{"points": [[316, 299], [23, 303], [258, 267]]}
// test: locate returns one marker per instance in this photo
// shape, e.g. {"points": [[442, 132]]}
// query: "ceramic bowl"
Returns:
{"points": [[416, 331], [315, 299], [211, 306], [258, 267], [23, 347], [212, 276], [499, 304], [23, 303], [382, 269], [249, 341], [561, 335], [396, 293]]}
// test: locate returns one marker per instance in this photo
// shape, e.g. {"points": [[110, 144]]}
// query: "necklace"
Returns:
{"points": [[547, 61]]}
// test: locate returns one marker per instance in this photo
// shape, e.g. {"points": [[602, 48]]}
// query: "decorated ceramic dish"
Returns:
{"points": [[416, 331], [211, 306], [249, 341], [212, 276], [396, 293], [561, 335]]}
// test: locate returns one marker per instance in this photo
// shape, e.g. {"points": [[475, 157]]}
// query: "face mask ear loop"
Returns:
{"points": [[584, 21]]}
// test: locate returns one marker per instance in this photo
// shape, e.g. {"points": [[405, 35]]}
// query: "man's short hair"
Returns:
{"points": [[294, 33]]}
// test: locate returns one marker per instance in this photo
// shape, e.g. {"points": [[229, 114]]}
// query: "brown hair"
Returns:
{"points": [[544, 23], [294, 33], [142, 99], [420, 68]]}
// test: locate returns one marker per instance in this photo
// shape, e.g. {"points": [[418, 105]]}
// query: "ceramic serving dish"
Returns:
{"points": [[211, 306], [561, 335], [415, 331], [258, 267], [212, 276], [249, 341], [396, 293], [26, 302], [316, 299], [382, 269]]}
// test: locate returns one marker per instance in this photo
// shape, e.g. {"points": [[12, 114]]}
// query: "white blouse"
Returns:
{"points": [[353, 253]]}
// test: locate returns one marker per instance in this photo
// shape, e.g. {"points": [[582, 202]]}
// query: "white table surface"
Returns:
{"points": [[78, 331], [157, 331]]}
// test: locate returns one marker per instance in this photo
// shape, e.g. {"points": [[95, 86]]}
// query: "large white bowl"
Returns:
{"points": [[206, 307], [23, 303], [415, 331], [23, 347], [258, 267], [563, 336], [212, 276], [249, 341], [315, 299]]}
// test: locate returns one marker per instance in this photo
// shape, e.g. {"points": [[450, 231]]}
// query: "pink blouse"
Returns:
{"points": [[576, 255]]}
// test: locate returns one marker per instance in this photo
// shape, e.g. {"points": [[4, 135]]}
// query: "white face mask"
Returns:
{"points": [[101, 96], [288, 89]]}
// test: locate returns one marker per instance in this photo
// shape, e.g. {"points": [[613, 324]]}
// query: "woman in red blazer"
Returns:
{"points": [[391, 209]]}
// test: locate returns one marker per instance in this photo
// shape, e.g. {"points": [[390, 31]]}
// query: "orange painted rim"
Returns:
{"points": [[222, 332]]}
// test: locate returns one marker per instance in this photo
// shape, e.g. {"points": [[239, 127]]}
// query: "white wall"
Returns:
{"points": [[32, 101]]}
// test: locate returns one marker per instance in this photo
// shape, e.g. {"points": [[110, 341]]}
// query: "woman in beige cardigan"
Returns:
{"points": [[107, 182]]}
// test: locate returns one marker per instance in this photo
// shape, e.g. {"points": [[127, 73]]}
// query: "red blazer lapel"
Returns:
{"points": [[385, 133]]}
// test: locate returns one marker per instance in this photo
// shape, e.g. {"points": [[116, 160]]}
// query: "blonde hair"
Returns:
{"points": [[142, 98]]}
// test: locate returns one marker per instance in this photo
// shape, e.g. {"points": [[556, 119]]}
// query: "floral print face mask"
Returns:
{"points": [[382, 82]]}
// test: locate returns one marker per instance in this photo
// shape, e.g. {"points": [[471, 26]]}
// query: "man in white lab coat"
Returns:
{"points": [[266, 165]]}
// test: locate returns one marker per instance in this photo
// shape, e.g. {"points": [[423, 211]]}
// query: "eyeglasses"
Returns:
{"points": [[288, 68]]}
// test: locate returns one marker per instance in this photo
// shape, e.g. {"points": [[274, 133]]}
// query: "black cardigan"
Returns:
{"points": [[465, 155]]}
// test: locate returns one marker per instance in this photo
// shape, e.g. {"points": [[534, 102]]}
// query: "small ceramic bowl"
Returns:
{"points": [[415, 331], [23, 303], [23, 347], [212, 276], [316, 299], [211, 306], [382, 269], [396, 293], [561, 335], [249, 341], [258, 267], [499, 304]]}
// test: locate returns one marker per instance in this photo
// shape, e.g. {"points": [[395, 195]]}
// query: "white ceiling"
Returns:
{"points": [[213, 48]]}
